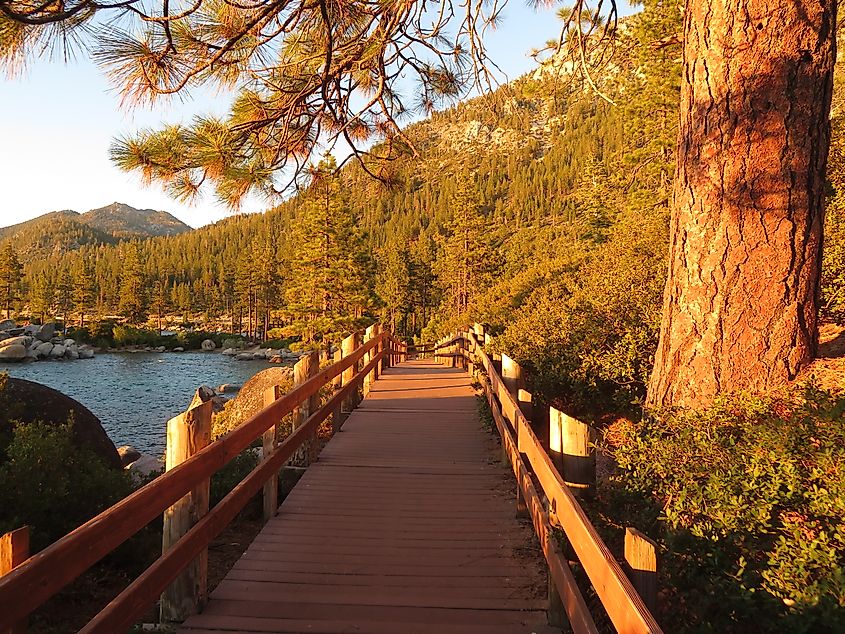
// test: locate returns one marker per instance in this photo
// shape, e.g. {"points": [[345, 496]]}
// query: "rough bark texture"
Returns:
{"points": [[741, 301]]}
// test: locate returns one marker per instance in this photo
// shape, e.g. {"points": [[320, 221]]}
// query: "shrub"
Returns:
{"points": [[752, 493], [229, 476], [52, 485]]}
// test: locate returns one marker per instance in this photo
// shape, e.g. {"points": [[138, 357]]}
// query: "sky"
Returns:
{"points": [[58, 120]]}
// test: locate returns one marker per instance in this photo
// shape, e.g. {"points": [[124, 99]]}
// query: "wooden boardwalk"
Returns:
{"points": [[405, 524]]}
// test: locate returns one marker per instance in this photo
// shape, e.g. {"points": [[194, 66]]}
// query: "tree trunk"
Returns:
{"points": [[741, 301]]}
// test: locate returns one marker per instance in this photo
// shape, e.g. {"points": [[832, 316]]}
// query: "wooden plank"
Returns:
{"points": [[401, 522]]}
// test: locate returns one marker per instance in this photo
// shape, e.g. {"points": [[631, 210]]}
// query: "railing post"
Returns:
{"points": [[571, 449], [511, 375], [641, 558], [187, 434], [378, 348], [368, 378], [337, 384], [304, 369], [349, 345], [14, 550], [268, 444]]}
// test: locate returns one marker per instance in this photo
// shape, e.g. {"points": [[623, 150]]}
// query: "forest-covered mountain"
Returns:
{"points": [[59, 232]]}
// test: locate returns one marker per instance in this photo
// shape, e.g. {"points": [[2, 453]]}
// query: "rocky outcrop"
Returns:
{"points": [[27, 402], [46, 332], [14, 352], [28, 347], [7, 324], [250, 398]]}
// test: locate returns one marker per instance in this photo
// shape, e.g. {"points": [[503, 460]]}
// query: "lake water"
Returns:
{"points": [[134, 394]]}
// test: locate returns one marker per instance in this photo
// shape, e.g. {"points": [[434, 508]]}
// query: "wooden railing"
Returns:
{"points": [[31, 583], [555, 504]]}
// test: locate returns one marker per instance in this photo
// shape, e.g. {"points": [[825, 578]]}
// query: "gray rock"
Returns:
{"points": [[31, 330], [160, 349], [179, 349], [29, 402], [228, 388], [15, 352], [69, 342], [128, 454], [245, 356], [43, 349], [86, 353], [229, 352], [72, 353], [57, 352], [208, 345], [218, 403], [7, 324], [144, 467], [47, 332], [16, 341]]}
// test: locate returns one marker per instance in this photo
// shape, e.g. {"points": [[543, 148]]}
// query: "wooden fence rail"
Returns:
{"points": [[34, 581], [558, 507]]}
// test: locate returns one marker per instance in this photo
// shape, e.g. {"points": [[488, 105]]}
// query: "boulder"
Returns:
{"points": [[277, 359], [160, 349], [128, 454], [31, 355], [229, 352], [86, 352], [31, 330], [228, 388], [7, 324], [208, 345], [58, 351], [72, 353], [27, 402], [43, 349], [16, 341], [69, 342], [144, 467], [250, 399], [179, 349], [15, 352], [244, 356], [47, 332]]}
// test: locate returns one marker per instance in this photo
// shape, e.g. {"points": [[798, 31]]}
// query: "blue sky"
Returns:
{"points": [[58, 120]]}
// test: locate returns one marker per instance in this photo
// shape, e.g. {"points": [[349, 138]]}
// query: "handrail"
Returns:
{"points": [[623, 604], [41, 576]]}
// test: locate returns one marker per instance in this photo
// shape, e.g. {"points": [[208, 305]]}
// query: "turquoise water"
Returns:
{"points": [[134, 394]]}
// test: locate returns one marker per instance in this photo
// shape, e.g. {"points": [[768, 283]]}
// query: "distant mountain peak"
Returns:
{"points": [[125, 221]]}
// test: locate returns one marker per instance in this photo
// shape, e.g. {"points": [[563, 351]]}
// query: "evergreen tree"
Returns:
{"points": [[84, 289], [133, 286], [466, 262], [64, 296], [11, 278], [41, 295], [327, 289]]}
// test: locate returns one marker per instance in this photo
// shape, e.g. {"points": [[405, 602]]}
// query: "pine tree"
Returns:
{"points": [[133, 286], [84, 289], [327, 289], [11, 278], [466, 263], [64, 296]]}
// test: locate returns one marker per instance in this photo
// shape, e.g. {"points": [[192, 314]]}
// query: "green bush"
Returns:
{"points": [[53, 486], [193, 340], [124, 335], [752, 493], [229, 476]]}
